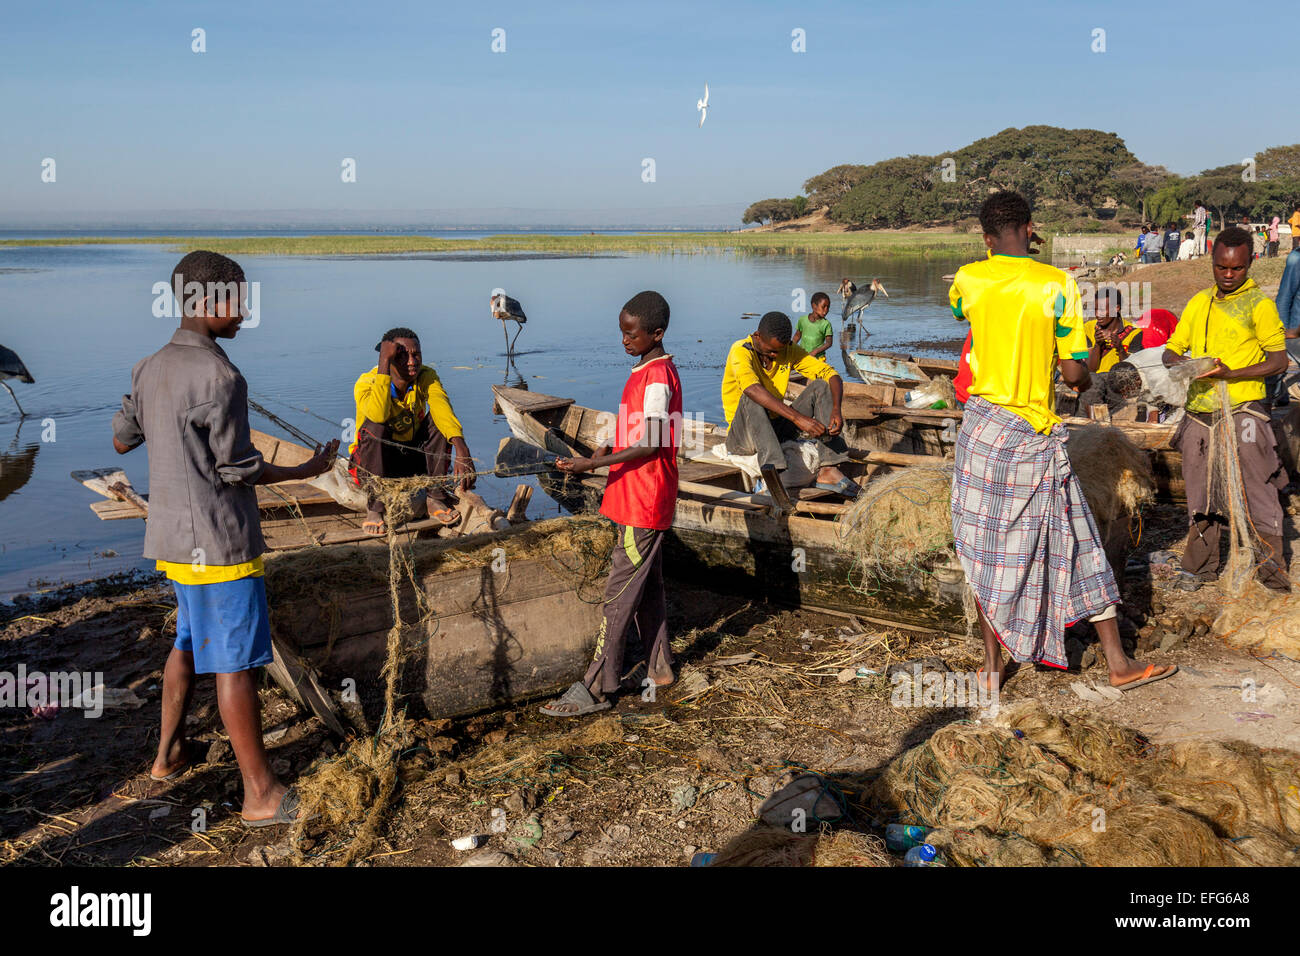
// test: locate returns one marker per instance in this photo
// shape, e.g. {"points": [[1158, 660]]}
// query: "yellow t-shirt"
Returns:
{"points": [[1237, 330], [426, 396], [745, 368], [210, 574], [1024, 315], [1110, 357], [1295, 225]]}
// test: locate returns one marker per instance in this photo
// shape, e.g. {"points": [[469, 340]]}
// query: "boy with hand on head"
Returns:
{"points": [[190, 403], [640, 497], [1237, 325], [758, 419], [406, 427], [814, 332]]}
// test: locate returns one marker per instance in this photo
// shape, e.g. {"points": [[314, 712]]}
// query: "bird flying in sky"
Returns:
{"points": [[703, 105]]}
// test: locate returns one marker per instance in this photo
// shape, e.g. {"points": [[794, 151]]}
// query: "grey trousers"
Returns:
{"points": [[634, 592], [1262, 475], [754, 432]]}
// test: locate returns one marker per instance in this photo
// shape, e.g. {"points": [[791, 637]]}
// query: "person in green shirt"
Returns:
{"points": [[814, 334]]}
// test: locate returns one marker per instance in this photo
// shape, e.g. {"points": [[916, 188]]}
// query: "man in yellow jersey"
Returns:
{"points": [[406, 427], [1237, 325], [190, 403], [754, 381], [1111, 340], [1022, 529]]}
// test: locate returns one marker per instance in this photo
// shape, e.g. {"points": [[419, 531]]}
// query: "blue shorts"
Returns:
{"points": [[226, 626]]}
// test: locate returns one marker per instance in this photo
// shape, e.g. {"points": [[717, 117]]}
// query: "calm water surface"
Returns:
{"points": [[81, 316]]}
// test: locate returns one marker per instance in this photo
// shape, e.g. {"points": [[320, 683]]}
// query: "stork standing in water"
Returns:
{"points": [[508, 310], [11, 366], [855, 301]]}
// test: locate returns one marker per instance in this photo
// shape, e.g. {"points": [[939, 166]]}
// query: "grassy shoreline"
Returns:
{"points": [[690, 243]]}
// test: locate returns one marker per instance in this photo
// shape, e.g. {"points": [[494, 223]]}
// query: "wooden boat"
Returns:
{"points": [[295, 514], [730, 538], [505, 629]]}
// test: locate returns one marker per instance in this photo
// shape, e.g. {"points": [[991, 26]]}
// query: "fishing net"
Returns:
{"points": [[355, 788], [771, 846], [1033, 788], [899, 522], [902, 521], [1114, 473]]}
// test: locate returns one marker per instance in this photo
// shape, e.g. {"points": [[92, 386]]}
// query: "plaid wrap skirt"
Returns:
{"points": [[1025, 536]]}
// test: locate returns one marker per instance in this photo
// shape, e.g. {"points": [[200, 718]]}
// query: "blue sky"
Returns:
{"points": [[585, 91]]}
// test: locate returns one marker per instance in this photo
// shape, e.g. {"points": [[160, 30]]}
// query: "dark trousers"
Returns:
{"points": [[379, 455], [1262, 475], [754, 432], [634, 592]]}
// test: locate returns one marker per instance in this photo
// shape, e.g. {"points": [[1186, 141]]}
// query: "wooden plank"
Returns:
{"points": [[298, 493], [299, 681]]}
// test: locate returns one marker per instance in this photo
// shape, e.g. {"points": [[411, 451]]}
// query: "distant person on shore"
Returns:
{"points": [[1151, 247], [1237, 325], [1200, 227], [1294, 223], [640, 497], [754, 382], [1273, 228], [189, 406], [1171, 241], [1022, 528], [814, 332], [1187, 248], [406, 428], [1259, 243]]}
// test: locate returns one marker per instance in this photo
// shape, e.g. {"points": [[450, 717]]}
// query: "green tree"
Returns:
{"points": [[829, 187], [1135, 183]]}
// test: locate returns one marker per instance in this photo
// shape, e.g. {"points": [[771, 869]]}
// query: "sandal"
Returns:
{"points": [[374, 524], [286, 812], [1147, 677], [580, 698]]}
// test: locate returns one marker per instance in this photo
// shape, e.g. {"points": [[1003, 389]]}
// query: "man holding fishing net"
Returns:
{"points": [[1022, 528], [406, 428], [1234, 330]]}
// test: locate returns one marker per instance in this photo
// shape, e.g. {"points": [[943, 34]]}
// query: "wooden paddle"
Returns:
{"points": [[113, 484]]}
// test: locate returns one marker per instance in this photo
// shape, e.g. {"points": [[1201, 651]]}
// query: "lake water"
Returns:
{"points": [[81, 316]]}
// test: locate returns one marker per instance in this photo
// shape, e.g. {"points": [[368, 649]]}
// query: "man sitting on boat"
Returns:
{"points": [[406, 427], [1026, 538], [758, 419]]}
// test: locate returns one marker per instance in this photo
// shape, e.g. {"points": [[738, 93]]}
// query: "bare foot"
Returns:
{"points": [[176, 759]]}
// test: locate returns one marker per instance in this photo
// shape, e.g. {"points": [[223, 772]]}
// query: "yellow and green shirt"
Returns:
{"points": [[1110, 357], [210, 574], [1237, 330], [1024, 315], [745, 368], [377, 401]]}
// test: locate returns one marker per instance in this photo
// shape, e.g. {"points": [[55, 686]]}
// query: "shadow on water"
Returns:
{"points": [[16, 464]]}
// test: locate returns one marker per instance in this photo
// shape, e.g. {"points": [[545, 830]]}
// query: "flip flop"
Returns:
{"points": [[186, 766], [447, 516], [285, 812], [374, 520], [1147, 678], [846, 487], [580, 697]]}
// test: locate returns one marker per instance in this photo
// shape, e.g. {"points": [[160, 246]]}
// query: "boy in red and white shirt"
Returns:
{"points": [[640, 496]]}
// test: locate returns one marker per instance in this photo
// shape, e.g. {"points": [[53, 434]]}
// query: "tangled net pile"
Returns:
{"points": [[899, 523], [357, 786], [902, 521], [1033, 789]]}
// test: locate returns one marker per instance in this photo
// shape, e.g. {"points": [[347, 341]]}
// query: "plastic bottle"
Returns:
{"points": [[923, 855], [702, 859], [900, 838]]}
